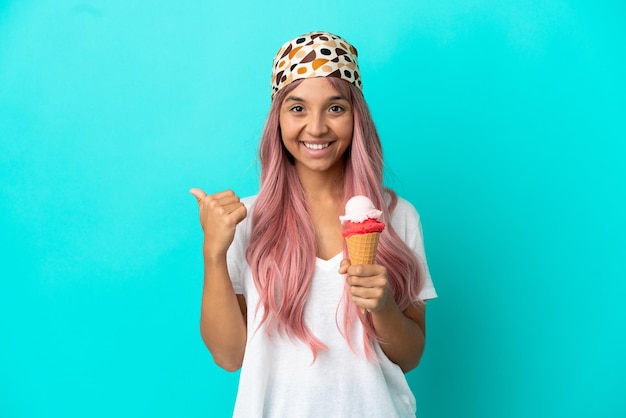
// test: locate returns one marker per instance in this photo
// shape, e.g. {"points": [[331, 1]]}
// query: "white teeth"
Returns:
{"points": [[315, 146]]}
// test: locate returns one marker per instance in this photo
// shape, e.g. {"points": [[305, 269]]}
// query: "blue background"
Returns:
{"points": [[503, 122]]}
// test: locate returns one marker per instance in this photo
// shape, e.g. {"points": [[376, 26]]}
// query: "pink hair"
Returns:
{"points": [[282, 251]]}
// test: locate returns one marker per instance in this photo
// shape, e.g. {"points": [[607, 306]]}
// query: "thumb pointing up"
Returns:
{"points": [[198, 193]]}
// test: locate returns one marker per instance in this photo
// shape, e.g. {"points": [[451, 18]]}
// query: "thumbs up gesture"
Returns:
{"points": [[219, 215]]}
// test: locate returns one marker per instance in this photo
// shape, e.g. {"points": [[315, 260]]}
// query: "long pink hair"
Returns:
{"points": [[282, 247]]}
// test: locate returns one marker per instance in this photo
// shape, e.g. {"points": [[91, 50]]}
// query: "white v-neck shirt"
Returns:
{"points": [[279, 377]]}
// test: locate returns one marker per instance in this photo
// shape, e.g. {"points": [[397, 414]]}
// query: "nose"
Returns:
{"points": [[316, 124]]}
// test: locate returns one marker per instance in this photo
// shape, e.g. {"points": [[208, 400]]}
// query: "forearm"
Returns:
{"points": [[222, 324], [402, 339]]}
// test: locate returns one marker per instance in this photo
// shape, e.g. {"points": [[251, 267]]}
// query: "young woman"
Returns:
{"points": [[313, 335]]}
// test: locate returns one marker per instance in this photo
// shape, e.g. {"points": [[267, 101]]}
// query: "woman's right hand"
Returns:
{"points": [[219, 215]]}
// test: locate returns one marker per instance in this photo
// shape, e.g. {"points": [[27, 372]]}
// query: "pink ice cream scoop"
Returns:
{"points": [[362, 228]]}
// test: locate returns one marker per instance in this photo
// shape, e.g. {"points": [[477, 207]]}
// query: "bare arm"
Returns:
{"points": [[402, 334], [222, 320]]}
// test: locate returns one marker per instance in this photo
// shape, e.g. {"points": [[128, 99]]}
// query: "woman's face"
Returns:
{"points": [[316, 124]]}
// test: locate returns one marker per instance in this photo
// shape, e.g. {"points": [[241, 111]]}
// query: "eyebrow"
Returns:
{"points": [[330, 99]]}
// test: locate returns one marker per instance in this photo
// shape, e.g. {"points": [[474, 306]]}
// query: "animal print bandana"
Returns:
{"points": [[315, 54]]}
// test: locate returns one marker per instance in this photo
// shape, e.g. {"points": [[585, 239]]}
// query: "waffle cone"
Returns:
{"points": [[362, 248]]}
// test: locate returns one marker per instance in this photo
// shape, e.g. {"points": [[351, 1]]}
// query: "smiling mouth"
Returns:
{"points": [[316, 146]]}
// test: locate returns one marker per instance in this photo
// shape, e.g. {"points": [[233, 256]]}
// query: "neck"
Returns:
{"points": [[320, 186]]}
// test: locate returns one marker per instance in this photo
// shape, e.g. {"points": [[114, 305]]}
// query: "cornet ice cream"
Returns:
{"points": [[362, 228]]}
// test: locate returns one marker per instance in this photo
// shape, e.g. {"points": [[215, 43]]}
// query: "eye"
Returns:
{"points": [[297, 109], [336, 109]]}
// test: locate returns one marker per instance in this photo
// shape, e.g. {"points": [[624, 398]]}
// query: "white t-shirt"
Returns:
{"points": [[279, 378]]}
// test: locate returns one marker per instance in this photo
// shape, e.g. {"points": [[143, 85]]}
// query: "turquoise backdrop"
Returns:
{"points": [[504, 122]]}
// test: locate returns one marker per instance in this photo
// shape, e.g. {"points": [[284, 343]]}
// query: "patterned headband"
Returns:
{"points": [[315, 54]]}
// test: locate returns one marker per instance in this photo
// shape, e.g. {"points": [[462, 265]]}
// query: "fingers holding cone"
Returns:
{"points": [[368, 284]]}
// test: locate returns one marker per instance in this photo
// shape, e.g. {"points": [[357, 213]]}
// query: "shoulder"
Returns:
{"points": [[401, 210], [404, 218], [406, 208]]}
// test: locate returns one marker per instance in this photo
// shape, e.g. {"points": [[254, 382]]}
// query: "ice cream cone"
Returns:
{"points": [[362, 247], [362, 226]]}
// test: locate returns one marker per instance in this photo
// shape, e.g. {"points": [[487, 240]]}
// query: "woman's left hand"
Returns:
{"points": [[368, 284]]}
